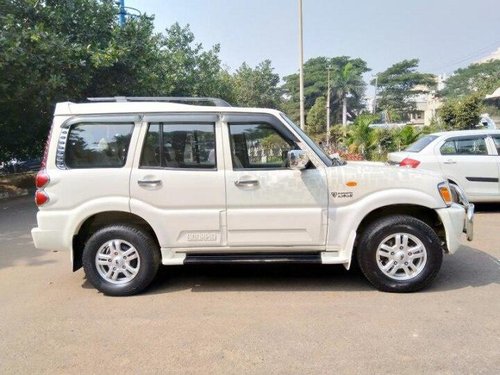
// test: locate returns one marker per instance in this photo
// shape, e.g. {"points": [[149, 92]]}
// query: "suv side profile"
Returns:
{"points": [[130, 184]]}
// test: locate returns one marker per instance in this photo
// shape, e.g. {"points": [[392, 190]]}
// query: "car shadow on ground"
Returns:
{"points": [[466, 268], [487, 207]]}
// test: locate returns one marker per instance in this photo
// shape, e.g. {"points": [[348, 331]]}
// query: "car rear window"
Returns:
{"points": [[421, 143]]}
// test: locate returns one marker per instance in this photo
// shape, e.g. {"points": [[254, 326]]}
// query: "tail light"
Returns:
{"points": [[41, 198], [42, 179], [410, 163]]}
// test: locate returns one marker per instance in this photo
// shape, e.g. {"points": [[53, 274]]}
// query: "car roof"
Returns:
{"points": [[456, 133], [71, 109]]}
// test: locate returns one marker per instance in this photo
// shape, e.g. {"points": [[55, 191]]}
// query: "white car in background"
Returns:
{"points": [[467, 158]]}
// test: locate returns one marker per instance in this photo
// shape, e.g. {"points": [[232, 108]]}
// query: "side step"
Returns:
{"points": [[253, 258]]}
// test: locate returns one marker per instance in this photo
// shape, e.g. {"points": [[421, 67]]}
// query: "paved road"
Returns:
{"points": [[257, 320]]}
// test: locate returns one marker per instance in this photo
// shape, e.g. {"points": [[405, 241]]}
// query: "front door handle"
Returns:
{"points": [[149, 183], [450, 161], [246, 183]]}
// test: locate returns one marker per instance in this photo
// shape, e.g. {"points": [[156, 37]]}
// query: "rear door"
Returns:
{"points": [[177, 183], [472, 164]]}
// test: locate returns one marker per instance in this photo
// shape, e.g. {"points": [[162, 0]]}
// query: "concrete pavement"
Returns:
{"points": [[297, 319]]}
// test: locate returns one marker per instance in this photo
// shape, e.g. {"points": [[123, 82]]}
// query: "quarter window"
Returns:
{"points": [[170, 145], [258, 146], [465, 146], [98, 145]]}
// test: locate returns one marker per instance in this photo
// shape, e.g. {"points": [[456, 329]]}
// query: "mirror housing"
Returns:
{"points": [[297, 159]]}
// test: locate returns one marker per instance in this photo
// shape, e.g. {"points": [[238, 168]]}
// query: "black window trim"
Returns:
{"points": [[181, 122]]}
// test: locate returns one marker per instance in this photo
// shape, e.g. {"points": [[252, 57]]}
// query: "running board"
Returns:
{"points": [[252, 258]]}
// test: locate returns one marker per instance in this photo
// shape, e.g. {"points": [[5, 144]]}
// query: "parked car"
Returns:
{"points": [[132, 184], [469, 159]]}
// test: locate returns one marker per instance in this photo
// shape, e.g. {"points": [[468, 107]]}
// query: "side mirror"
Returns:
{"points": [[297, 159]]}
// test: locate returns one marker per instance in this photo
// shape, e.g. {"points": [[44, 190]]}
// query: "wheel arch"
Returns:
{"points": [[99, 220], [423, 213]]}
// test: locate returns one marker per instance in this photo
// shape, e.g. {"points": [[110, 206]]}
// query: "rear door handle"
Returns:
{"points": [[246, 183], [450, 161], [149, 183]]}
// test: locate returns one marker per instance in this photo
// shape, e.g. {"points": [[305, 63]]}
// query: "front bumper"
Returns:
{"points": [[469, 211]]}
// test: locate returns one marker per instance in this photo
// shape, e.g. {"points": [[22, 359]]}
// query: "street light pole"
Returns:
{"points": [[301, 69], [123, 12], [328, 110]]}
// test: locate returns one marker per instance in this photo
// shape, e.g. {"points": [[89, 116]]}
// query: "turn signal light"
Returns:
{"points": [[410, 163], [445, 193], [41, 198], [42, 179]]}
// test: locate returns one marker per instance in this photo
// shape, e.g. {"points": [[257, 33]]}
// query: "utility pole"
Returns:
{"points": [[122, 13], [328, 110], [301, 69], [375, 95]]}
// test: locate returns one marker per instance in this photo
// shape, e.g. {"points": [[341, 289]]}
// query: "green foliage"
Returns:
{"points": [[257, 87], [460, 114], [481, 79], [316, 85], [398, 86], [316, 118], [361, 136]]}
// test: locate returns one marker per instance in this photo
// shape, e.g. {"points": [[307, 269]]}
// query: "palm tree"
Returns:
{"points": [[346, 80]]}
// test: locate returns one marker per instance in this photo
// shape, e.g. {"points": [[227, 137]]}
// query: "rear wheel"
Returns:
{"points": [[120, 260], [399, 254]]}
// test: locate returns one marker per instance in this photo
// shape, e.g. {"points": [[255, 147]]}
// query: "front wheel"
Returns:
{"points": [[120, 260], [399, 254]]}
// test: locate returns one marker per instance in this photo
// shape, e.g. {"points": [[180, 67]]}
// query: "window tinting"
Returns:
{"points": [[258, 146], [421, 143], [179, 146], [98, 145], [465, 146]]}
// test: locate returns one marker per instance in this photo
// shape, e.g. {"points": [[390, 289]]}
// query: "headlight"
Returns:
{"points": [[445, 192]]}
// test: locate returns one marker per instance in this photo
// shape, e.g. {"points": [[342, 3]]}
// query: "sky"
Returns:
{"points": [[443, 34]]}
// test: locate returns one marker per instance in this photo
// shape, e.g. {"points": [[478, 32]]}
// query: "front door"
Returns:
{"points": [[268, 204]]}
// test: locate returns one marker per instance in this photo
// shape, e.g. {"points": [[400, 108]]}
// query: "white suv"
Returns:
{"points": [[467, 158], [132, 184]]}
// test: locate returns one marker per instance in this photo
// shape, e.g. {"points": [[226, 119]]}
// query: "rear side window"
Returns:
{"points": [[465, 146], [421, 143], [181, 146], [98, 145], [496, 139]]}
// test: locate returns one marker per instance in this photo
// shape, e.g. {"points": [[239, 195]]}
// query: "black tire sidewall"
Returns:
{"points": [[143, 243], [382, 228]]}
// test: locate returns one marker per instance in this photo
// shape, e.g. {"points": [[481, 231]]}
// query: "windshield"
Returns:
{"points": [[421, 143], [318, 150]]}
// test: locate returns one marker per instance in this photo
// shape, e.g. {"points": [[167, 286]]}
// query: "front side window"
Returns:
{"points": [[98, 145], [465, 146], [182, 146], [258, 145]]}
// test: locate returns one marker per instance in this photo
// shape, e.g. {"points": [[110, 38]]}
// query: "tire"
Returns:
{"points": [[120, 260], [399, 254]]}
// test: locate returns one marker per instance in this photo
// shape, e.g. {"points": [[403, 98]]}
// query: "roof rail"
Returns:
{"points": [[172, 99]]}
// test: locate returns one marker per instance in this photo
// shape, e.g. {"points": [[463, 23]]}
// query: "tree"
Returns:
{"points": [[463, 113], [481, 78], [316, 85], [361, 136], [347, 80], [257, 87], [71, 49], [398, 86], [316, 118]]}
